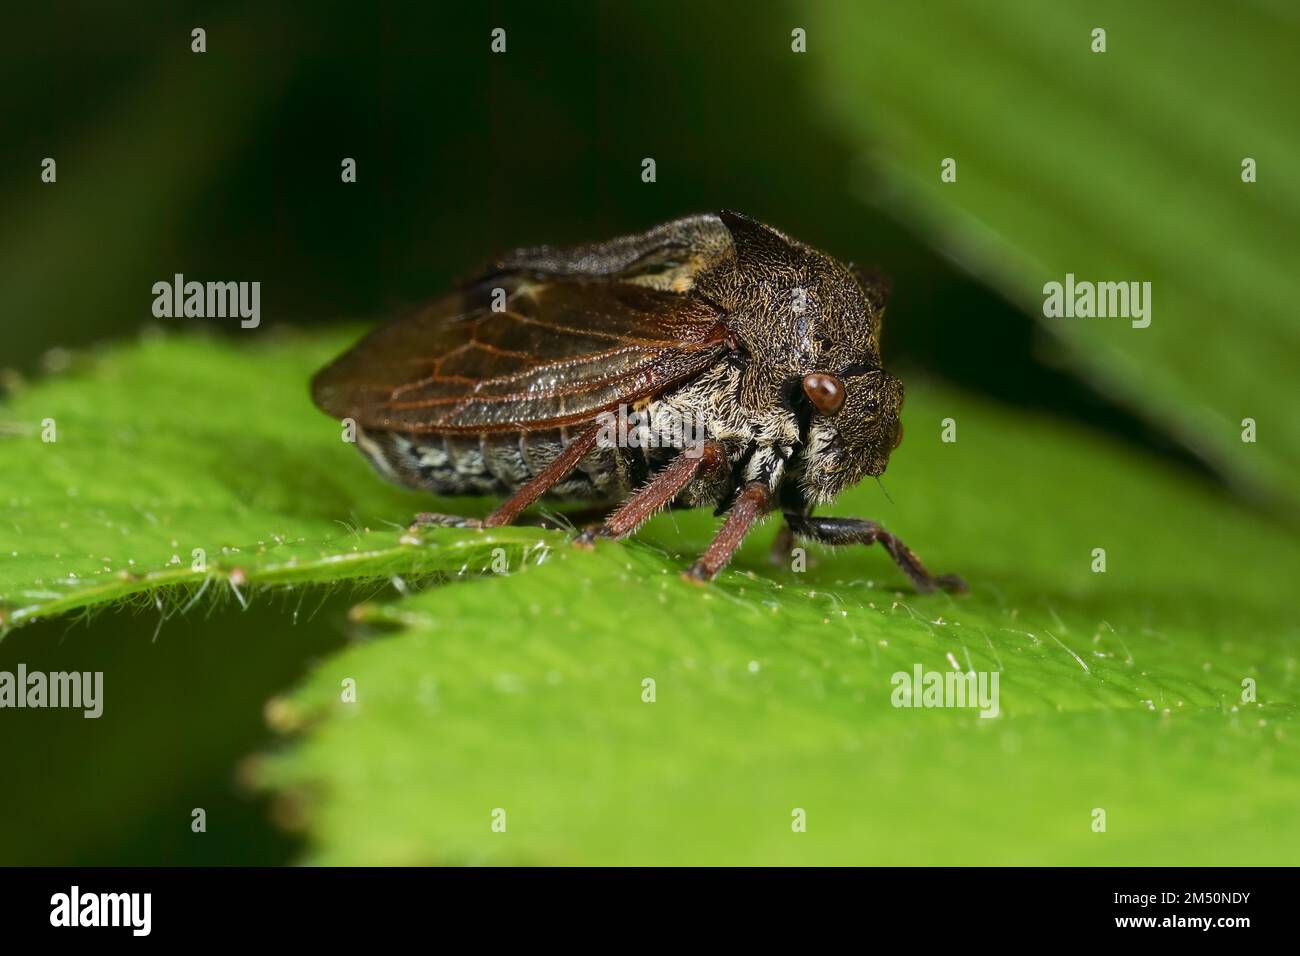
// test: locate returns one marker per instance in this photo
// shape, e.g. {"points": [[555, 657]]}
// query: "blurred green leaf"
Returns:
{"points": [[523, 690], [1117, 166]]}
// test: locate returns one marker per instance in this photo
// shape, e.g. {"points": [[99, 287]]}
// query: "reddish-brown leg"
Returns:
{"points": [[530, 491], [753, 503], [654, 494]]}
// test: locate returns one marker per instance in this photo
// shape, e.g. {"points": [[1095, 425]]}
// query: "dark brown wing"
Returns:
{"points": [[563, 350]]}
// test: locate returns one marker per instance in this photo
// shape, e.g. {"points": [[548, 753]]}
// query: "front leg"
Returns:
{"points": [[754, 501], [862, 531]]}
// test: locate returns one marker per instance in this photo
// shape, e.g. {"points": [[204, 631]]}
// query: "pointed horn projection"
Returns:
{"points": [[757, 244]]}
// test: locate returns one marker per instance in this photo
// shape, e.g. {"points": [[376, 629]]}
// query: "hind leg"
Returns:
{"points": [[526, 494]]}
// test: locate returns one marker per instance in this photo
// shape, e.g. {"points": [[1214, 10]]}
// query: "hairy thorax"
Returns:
{"points": [[758, 442]]}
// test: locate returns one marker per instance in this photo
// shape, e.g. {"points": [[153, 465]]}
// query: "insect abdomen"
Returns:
{"points": [[494, 463]]}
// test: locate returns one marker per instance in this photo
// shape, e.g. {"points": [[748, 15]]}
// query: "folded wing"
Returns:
{"points": [[558, 352]]}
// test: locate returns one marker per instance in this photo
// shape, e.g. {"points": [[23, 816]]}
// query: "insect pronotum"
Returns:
{"points": [[711, 361]]}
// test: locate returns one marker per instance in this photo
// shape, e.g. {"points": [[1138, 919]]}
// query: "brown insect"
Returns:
{"points": [[766, 349]]}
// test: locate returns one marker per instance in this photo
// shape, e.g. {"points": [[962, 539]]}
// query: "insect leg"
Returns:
{"points": [[557, 520], [656, 493], [782, 544], [436, 519], [792, 501], [527, 493], [754, 501], [861, 531], [573, 520]]}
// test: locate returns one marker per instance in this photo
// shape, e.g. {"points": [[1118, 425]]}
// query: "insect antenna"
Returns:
{"points": [[884, 489]]}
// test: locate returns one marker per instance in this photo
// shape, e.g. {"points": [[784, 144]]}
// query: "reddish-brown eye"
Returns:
{"points": [[898, 437], [826, 392]]}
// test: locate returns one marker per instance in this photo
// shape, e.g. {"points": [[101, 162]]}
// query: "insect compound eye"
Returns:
{"points": [[826, 392], [898, 435]]}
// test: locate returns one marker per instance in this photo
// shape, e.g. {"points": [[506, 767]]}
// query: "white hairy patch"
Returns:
{"points": [[376, 455]]}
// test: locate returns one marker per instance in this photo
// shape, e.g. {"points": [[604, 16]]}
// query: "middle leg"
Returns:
{"points": [[656, 493]]}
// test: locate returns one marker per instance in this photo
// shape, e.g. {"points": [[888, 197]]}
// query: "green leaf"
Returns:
{"points": [[523, 690], [184, 445], [525, 694], [1117, 166]]}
